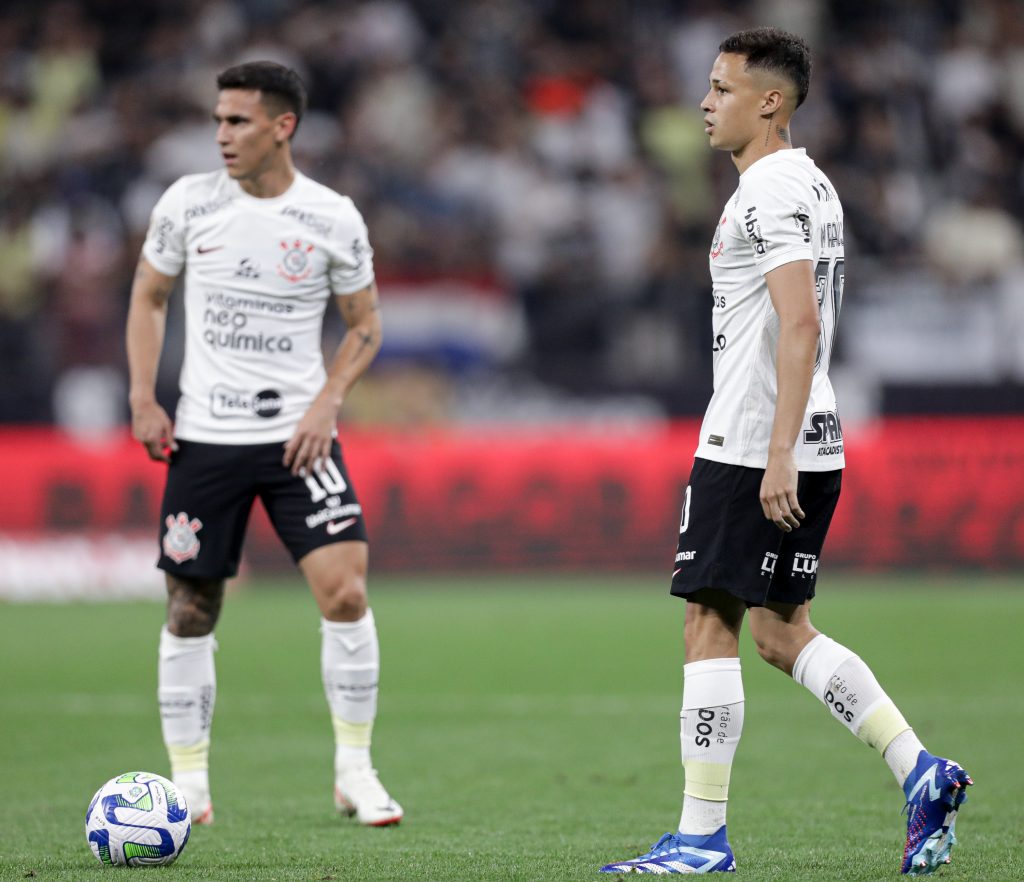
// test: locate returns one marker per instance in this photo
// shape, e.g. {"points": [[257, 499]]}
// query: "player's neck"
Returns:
{"points": [[775, 137], [270, 182]]}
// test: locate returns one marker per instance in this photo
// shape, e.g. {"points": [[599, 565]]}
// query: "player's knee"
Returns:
{"points": [[773, 652], [193, 605], [346, 601]]}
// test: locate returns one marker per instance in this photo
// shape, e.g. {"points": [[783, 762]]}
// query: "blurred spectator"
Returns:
{"points": [[536, 181]]}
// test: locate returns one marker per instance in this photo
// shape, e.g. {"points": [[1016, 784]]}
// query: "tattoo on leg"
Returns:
{"points": [[366, 339], [193, 605]]}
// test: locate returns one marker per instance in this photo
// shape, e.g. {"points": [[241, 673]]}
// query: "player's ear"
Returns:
{"points": [[772, 101], [285, 126]]}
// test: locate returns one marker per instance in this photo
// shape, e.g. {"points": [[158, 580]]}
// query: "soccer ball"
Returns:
{"points": [[137, 819]]}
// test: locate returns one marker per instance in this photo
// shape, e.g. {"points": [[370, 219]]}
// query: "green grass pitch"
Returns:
{"points": [[529, 725]]}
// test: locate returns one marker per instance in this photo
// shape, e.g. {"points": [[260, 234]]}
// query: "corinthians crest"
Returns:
{"points": [[180, 541], [296, 264], [717, 246]]}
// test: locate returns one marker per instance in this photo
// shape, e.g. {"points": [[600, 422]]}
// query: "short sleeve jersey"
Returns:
{"points": [[783, 210], [258, 276]]}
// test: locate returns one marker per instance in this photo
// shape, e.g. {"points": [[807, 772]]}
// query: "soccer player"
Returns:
{"points": [[264, 250], [768, 469]]}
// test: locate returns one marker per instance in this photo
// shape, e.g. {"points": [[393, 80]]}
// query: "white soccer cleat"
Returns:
{"points": [[200, 806], [358, 791], [205, 817]]}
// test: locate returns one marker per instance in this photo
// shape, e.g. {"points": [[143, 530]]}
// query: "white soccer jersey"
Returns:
{"points": [[784, 209], [258, 276]]}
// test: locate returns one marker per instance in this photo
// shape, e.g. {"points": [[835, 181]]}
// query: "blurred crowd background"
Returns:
{"points": [[538, 188]]}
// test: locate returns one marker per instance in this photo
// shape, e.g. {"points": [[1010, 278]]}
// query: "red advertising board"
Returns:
{"points": [[935, 492]]}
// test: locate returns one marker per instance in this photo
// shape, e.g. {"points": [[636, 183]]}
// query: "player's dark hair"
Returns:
{"points": [[281, 89], [777, 51]]}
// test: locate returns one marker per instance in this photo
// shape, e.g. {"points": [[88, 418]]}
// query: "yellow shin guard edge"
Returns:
{"points": [[708, 781], [352, 734], [189, 758], [881, 725]]}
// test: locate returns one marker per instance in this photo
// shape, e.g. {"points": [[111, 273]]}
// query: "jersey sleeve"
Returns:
{"points": [[164, 247], [351, 257], [776, 220]]}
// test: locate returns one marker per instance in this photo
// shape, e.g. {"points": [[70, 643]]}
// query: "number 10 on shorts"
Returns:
{"points": [[684, 521], [326, 481]]}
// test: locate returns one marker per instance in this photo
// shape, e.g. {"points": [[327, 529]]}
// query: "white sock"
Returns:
{"points": [[901, 754], [844, 684], [187, 690], [350, 665], [710, 725]]}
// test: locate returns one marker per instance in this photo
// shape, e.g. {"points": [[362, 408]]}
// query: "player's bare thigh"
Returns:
{"points": [[337, 577], [781, 631]]}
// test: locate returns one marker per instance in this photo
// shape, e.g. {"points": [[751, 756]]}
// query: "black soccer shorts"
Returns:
{"points": [[726, 542], [210, 491]]}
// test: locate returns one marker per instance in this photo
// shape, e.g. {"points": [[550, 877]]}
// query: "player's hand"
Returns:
{"points": [[778, 493], [153, 428], [310, 444]]}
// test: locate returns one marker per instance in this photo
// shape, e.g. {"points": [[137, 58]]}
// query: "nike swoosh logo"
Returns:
{"points": [[334, 528], [930, 781], [206, 250]]}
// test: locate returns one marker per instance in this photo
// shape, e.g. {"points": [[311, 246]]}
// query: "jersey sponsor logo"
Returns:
{"points": [[206, 249], [802, 219], [267, 403], [227, 333], [247, 342], [248, 304], [180, 542], [248, 269], [162, 230], [753, 229], [226, 403], [804, 565], [296, 265], [360, 251], [825, 428], [315, 222], [204, 209], [685, 556], [768, 564]]}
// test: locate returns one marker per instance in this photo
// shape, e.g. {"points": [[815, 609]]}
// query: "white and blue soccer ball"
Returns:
{"points": [[137, 819]]}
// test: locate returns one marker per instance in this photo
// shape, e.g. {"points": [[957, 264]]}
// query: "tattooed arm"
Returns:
{"points": [[144, 338], [311, 441]]}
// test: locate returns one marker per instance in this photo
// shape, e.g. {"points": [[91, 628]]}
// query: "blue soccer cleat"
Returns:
{"points": [[678, 853], [935, 790]]}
